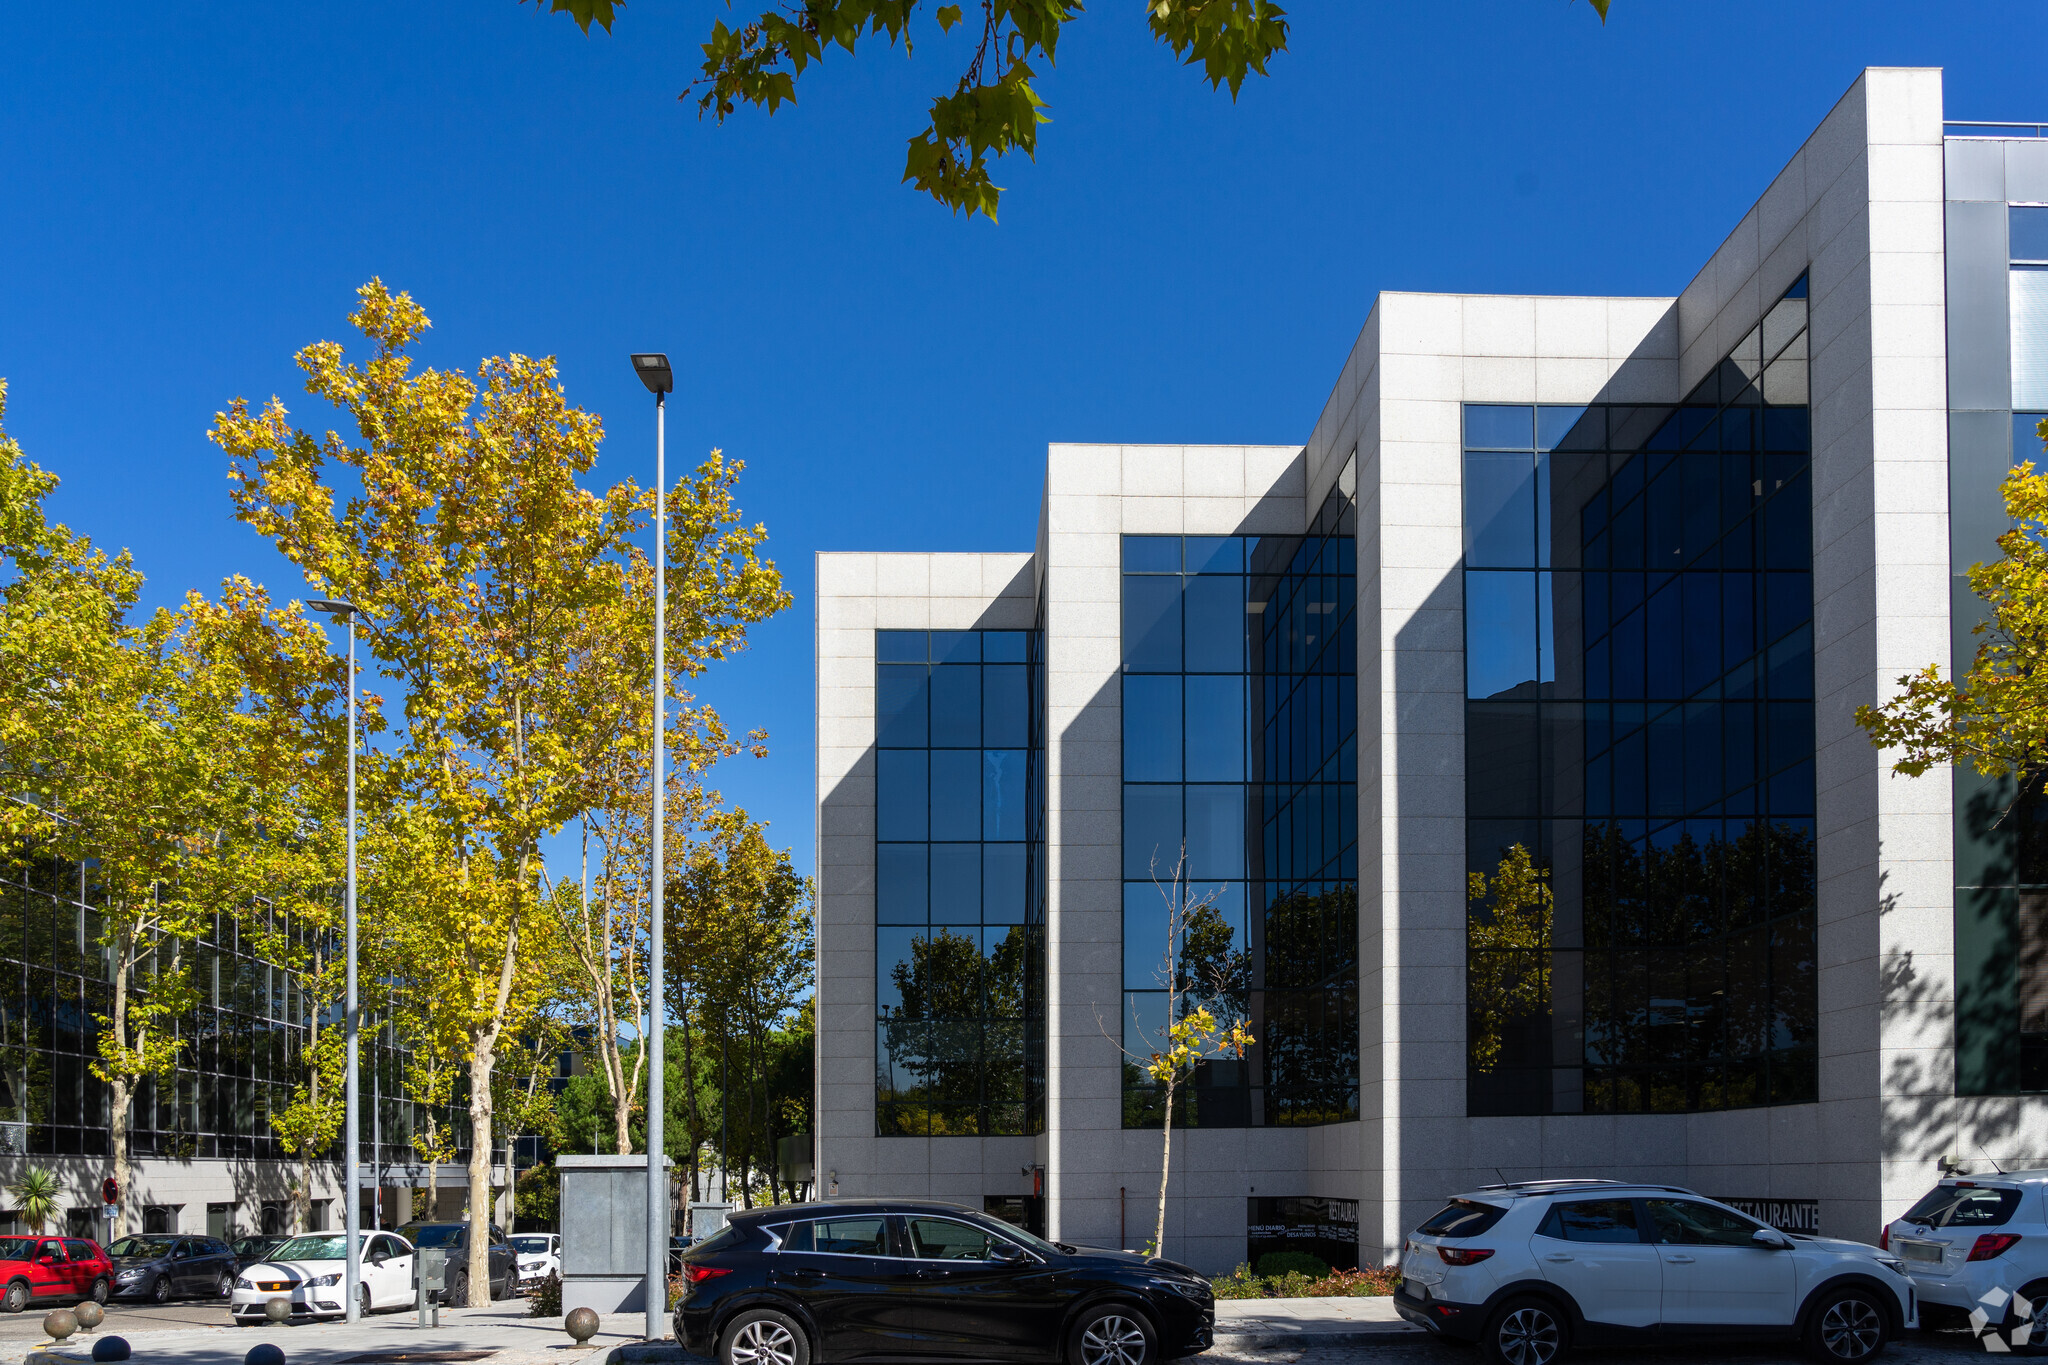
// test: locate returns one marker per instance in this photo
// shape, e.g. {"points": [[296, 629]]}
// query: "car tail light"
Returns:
{"points": [[1884, 1238], [1993, 1244], [1464, 1255], [697, 1274]]}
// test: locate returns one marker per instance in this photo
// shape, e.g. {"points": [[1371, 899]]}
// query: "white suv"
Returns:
{"points": [[1978, 1245], [1530, 1269]]}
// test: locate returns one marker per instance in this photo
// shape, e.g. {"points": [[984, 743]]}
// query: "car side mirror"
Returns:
{"points": [[1771, 1239], [1008, 1252]]}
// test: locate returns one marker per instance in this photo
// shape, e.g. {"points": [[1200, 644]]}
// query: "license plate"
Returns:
{"points": [[1921, 1251]]}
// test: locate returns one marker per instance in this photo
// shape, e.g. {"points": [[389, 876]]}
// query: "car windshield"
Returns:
{"points": [[325, 1247], [535, 1245], [1954, 1206], [1017, 1234], [17, 1248], [1462, 1218], [142, 1246], [438, 1235]]}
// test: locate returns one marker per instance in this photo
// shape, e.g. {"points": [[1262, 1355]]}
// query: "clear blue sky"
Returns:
{"points": [[192, 192]]}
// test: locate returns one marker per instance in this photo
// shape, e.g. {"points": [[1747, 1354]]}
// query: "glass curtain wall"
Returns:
{"points": [[2001, 837], [1240, 710], [1639, 746], [959, 913]]}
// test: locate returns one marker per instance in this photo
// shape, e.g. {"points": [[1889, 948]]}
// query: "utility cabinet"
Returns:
{"points": [[604, 1231]]}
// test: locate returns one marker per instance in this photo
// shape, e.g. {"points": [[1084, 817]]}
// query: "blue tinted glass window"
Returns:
{"points": [[956, 794], [1500, 632], [1214, 613], [900, 646], [1152, 728], [1215, 728], [1152, 624], [1005, 706], [1003, 646], [1571, 429], [1490, 427], [901, 794], [1002, 883], [1151, 554], [896, 964], [1002, 794], [902, 694], [956, 883], [1215, 831], [901, 883], [1500, 510], [1152, 832], [956, 646], [1145, 934], [2029, 226], [1213, 554], [956, 706]]}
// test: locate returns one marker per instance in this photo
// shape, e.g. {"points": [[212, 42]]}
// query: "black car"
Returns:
{"points": [[454, 1238], [800, 1284], [250, 1250], [164, 1266]]}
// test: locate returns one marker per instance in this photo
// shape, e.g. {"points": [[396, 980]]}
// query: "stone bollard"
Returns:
{"points": [[581, 1324], [110, 1348], [278, 1309], [60, 1323], [264, 1353], [89, 1315]]}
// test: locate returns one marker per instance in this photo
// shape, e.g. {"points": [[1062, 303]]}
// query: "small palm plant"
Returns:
{"points": [[37, 1195]]}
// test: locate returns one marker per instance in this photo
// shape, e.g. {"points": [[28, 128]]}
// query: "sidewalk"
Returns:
{"points": [[1267, 1323], [505, 1335], [501, 1331]]}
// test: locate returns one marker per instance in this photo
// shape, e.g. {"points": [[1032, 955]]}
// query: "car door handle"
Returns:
{"points": [[1679, 1260], [1557, 1256], [802, 1272]]}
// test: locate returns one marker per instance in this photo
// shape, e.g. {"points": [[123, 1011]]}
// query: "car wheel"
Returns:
{"points": [[458, 1290], [1526, 1331], [16, 1298], [2025, 1333], [100, 1290], [1114, 1334], [762, 1336], [223, 1285], [363, 1292], [161, 1290], [1847, 1326]]}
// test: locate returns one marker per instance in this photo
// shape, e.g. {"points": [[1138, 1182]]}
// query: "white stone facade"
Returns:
{"points": [[1859, 210]]}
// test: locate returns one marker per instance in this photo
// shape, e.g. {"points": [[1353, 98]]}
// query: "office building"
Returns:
{"points": [[1507, 724]]}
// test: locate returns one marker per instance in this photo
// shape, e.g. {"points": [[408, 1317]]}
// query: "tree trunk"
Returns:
{"points": [[480, 1067], [433, 1155], [121, 1088], [1165, 1166]]}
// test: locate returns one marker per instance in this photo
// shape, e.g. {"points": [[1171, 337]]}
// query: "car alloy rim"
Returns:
{"points": [[1528, 1336], [1113, 1340], [1850, 1329], [764, 1342]]}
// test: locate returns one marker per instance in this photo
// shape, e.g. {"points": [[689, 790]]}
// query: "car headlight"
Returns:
{"points": [[128, 1275], [1897, 1267], [322, 1281], [1181, 1287], [245, 1283]]}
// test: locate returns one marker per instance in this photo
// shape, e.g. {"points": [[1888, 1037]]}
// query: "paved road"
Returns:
{"points": [[1919, 1348]]}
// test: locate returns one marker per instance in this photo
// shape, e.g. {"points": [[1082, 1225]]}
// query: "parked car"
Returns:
{"points": [[847, 1279], [49, 1269], [455, 1238], [309, 1271], [1531, 1269], [249, 1250], [1980, 1241], [160, 1267], [540, 1255]]}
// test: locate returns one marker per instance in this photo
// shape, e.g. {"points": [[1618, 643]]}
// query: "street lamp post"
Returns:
{"points": [[660, 380], [352, 1206]]}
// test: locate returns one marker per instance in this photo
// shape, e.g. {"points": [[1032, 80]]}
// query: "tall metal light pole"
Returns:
{"points": [[660, 380], [352, 1205]]}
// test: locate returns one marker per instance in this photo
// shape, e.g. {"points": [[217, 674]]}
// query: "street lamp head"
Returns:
{"points": [[340, 610], [654, 372]]}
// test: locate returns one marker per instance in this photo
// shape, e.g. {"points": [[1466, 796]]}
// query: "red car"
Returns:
{"points": [[50, 1268]]}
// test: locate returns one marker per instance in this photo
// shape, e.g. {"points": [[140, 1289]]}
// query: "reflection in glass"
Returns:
{"points": [[1640, 796], [959, 897]]}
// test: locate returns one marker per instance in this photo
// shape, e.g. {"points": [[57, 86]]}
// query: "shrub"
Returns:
{"points": [[1275, 1264], [545, 1300], [1239, 1284], [1376, 1282]]}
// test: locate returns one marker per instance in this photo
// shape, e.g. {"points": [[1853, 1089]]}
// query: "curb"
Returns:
{"points": [[1276, 1341]]}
